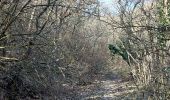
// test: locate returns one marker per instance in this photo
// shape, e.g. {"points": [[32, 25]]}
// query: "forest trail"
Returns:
{"points": [[106, 89]]}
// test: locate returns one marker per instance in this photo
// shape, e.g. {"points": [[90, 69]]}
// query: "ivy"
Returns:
{"points": [[119, 51], [163, 21]]}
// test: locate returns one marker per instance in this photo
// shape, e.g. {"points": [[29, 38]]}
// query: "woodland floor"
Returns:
{"points": [[107, 88]]}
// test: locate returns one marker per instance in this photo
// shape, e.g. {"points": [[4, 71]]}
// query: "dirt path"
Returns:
{"points": [[106, 89]]}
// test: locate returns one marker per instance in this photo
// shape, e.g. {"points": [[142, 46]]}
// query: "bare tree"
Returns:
{"points": [[35, 43]]}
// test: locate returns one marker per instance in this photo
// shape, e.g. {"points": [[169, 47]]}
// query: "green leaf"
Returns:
{"points": [[166, 69], [121, 52], [114, 49]]}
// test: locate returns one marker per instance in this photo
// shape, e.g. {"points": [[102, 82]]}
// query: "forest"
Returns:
{"points": [[84, 50]]}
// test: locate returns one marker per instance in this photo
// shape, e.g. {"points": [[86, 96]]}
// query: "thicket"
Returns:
{"points": [[49, 46], [142, 28]]}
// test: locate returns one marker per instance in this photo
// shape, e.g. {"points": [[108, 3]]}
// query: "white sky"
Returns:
{"points": [[106, 2], [109, 5]]}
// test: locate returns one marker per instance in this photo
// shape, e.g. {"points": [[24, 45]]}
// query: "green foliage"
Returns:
{"points": [[163, 22], [166, 69], [114, 49], [119, 51]]}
